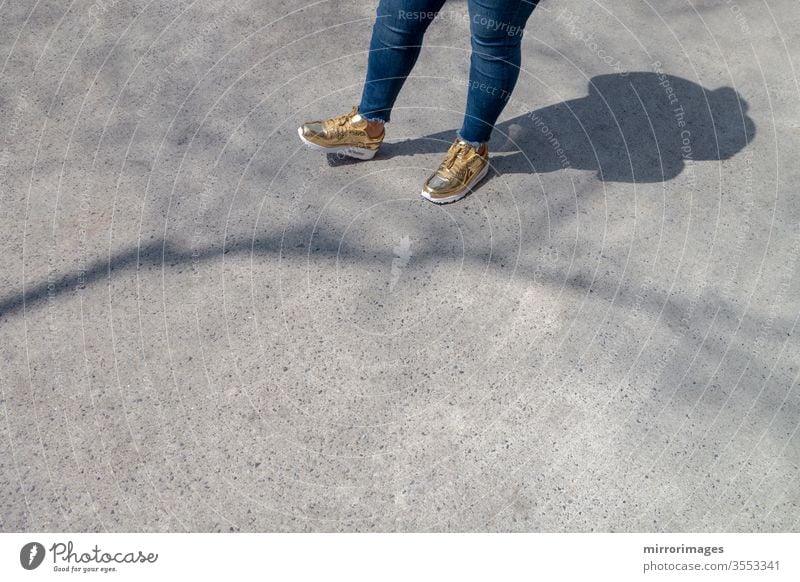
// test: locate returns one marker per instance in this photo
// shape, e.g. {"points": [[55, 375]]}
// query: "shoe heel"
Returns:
{"points": [[360, 153]]}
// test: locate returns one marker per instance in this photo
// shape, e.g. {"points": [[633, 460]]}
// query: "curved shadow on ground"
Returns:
{"points": [[641, 127], [629, 128]]}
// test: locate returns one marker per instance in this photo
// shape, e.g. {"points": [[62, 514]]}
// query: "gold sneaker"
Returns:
{"points": [[341, 134], [463, 167]]}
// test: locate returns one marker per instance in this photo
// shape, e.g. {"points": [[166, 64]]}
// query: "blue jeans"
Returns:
{"points": [[496, 28]]}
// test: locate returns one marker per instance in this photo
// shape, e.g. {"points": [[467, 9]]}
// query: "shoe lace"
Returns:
{"points": [[455, 163], [457, 153], [339, 123]]}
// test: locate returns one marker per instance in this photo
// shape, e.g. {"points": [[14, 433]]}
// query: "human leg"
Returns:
{"points": [[395, 45], [496, 33], [496, 28]]}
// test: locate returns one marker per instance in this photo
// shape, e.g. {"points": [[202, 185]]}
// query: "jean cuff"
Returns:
{"points": [[375, 116], [475, 144]]}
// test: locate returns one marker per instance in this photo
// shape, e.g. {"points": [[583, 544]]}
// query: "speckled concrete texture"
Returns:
{"points": [[206, 327]]}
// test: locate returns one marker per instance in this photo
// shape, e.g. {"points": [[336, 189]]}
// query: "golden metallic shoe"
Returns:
{"points": [[341, 134], [463, 167]]}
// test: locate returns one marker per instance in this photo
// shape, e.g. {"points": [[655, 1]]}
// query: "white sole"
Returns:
{"points": [[458, 195], [353, 152]]}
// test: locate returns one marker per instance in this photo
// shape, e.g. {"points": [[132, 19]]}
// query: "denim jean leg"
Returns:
{"points": [[475, 144], [395, 45], [496, 28]]}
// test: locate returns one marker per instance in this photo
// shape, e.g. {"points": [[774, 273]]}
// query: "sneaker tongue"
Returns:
{"points": [[356, 118], [461, 151]]}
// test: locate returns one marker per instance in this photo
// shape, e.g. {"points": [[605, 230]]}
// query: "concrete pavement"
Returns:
{"points": [[205, 327]]}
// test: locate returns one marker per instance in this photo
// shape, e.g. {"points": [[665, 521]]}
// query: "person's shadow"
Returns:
{"points": [[640, 127]]}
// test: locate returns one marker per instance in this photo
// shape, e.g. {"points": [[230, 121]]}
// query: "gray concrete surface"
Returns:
{"points": [[206, 327]]}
